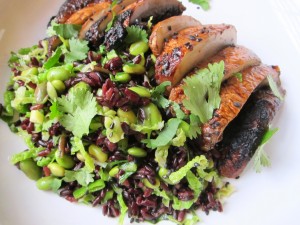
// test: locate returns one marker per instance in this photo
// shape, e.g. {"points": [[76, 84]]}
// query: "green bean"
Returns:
{"points": [[45, 183], [30, 71], [127, 116], [56, 169], [59, 85], [37, 117], [97, 153], [152, 186], [58, 73], [66, 161], [122, 77], [141, 91], [138, 48], [137, 152], [31, 170], [52, 93], [114, 171], [134, 69]]}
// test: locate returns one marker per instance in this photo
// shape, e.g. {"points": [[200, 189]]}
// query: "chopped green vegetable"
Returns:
{"points": [[198, 161], [161, 155], [166, 136], [123, 207], [54, 59], [203, 90]]}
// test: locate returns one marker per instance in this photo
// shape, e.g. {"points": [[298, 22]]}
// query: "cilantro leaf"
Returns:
{"points": [[179, 113], [203, 3], [79, 108], [78, 50], [239, 76], [158, 95], [274, 88], [166, 135], [67, 31], [54, 111], [135, 34], [261, 158], [82, 176], [203, 91], [194, 127]]}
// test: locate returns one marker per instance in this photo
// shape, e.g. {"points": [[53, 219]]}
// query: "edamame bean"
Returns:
{"points": [[129, 116], [56, 169], [114, 171], [152, 186], [97, 153], [66, 161], [40, 93], [31, 170], [59, 85], [30, 71], [83, 86], [45, 183], [80, 157], [51, 91], [138, 48], [141, 91], [152, 115], [36, 116], [137, 152], [134, 69], [58, 73], [80, 192], [122, 77]]}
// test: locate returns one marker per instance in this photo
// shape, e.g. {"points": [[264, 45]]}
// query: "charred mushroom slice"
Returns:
{"points": [[71, 6], [167, 28], [243, 136], [190, 47], [82, 15], [98, 25], [236, 59], [102, 10], [234, 95], [138, 12]]}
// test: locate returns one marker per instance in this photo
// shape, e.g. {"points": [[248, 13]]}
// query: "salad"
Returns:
{"points": [[102, 128]]}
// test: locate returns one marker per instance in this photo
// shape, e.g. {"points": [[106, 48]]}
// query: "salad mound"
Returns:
{"points": [[99, 130], [112, 119]]}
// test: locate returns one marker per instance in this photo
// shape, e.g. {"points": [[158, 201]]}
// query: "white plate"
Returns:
{"points": [[269, 28]]}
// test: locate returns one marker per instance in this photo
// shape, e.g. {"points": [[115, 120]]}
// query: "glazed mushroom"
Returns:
{"points": [[235, 58], [165, 29], [190, 47]]}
